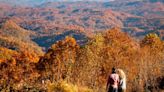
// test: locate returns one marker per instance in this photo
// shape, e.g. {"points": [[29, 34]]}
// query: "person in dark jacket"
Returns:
{"points": [[113, 81]]}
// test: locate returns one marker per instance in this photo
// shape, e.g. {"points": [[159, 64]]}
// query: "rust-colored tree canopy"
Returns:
{"points": [[72, 46], [88, 65]]}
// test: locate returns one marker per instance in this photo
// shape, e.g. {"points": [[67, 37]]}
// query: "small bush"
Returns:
{"points": [[61, 87]]}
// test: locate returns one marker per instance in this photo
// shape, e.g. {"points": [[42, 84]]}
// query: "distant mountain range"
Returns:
{"points": [[51, 21], [37, 2]]}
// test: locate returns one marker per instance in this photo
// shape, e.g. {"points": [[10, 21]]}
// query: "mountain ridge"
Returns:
{"points": [[38, 2]]}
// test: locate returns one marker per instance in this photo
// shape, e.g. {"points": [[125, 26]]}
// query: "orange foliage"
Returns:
{"points": [[90, 65], [59, 59]]}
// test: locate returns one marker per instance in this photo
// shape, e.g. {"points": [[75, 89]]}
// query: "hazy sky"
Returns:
{"points": [[35, 2], [47, 0]]}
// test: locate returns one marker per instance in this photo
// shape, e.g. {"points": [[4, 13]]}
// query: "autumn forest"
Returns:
{"points": [[72, 46]]}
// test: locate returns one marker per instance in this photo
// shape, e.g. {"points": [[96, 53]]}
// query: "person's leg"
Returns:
{"points": [[119, 90], [115, 90], [110, 89]]}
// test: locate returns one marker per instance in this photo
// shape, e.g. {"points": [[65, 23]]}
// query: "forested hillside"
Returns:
{"points": [[51, 19], [72, 46], [86, 67]]}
